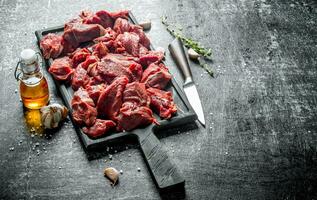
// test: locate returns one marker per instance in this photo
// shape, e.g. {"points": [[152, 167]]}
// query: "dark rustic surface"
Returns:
{"points": [[260, 141]]}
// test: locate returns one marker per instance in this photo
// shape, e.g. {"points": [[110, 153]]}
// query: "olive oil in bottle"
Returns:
{"points": [[33, 85]]}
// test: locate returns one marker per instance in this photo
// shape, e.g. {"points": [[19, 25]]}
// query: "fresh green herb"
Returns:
{"points": [[189, 43], [206, 68]]}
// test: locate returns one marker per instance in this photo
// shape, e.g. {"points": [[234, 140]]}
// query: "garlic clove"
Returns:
{"points": [[112, 174], [52, 114], [146, 25], [193, 54]]}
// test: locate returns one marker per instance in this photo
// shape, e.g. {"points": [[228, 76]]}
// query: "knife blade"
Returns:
{"points": [[178, 53]]}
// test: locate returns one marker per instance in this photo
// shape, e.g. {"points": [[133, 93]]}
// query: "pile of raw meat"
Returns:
{"points": [[116, 78]]}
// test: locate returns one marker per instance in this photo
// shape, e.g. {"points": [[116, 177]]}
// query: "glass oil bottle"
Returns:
{"points": [[34, 90]]}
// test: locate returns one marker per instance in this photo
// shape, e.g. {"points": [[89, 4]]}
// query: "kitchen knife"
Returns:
{"points": [[178, 53]]}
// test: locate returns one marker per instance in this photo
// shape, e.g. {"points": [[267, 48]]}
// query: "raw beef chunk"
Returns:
{"points": [[89, 60], [148, 57], [162, 102], [136, 94], [108, 36], [99, 128], [75, 32], [129, 119], [61, 68], [100, 50], [84, 111], [136, 70], [80, 56], [110, 100], [80, 78], [128, 42], [108, 70], [135, 108], [103, 17], [156, 76], [122, 26], [124, 60], [94, 91], [128, 62], [144, 40], [51, 45]]}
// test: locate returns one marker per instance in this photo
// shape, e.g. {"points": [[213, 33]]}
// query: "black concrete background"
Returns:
{"points": [[260, 140]]}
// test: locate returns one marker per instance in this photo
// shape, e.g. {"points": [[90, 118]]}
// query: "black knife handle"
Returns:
{"points": [[178, 53], [162, 169]]}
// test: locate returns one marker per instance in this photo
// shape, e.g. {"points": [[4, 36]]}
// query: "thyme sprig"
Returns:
{"points": [[189, 43]]}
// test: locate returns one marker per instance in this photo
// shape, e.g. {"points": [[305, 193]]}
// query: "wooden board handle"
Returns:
{"points": [[162, 169]]}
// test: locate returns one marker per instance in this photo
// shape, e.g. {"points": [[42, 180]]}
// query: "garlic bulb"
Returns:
{"points": [[112, 174], [52, 114]]}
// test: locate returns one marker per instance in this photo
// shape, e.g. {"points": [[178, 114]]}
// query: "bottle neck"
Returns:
{"points": [[32, 78]]}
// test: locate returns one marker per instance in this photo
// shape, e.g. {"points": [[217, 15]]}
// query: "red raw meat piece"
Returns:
{"points": [[100, 50], [82, 95], [128, 62], [136, 94], [109, 35], [128, 42], [162, 102], [136, 70], [135, 110], [120, 14], [75, 32], [94, 91], [103, 17], [99, 128], [156, 76], [96, 80], [61, 68], [122, 26], [89, 60], [84, 111], [124, 60], [110, 100], [80, 78], [148, 57], [129, 119], [67, 47], [79, 56], [51, 45], [109, 70], [144, 40]]}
